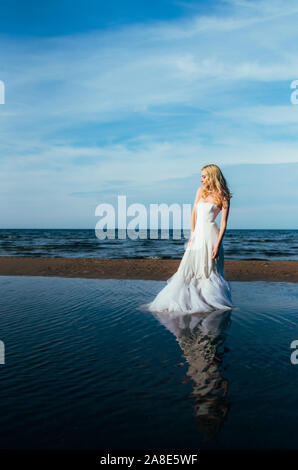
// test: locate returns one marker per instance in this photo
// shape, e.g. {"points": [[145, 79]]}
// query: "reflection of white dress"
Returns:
{"points": [[199, 284]]}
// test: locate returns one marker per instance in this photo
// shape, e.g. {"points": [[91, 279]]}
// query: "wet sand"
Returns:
{"points": [[147, 269]]}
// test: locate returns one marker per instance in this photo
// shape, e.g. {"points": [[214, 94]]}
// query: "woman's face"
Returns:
{"points": [[204, 178]]}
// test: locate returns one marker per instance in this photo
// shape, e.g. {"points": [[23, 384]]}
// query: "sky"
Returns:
{"points": [[134, 97]]}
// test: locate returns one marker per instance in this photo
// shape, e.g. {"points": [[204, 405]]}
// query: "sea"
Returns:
{"points": [[83, 366], [160, 244]]}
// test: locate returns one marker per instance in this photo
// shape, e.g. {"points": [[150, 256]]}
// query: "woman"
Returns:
{"points": [[199, 284]]}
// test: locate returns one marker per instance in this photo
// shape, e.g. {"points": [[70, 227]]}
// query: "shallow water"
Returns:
{"points": [[86, 368]]}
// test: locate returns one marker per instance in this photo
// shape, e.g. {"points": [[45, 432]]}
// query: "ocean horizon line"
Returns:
{"points": [[159, 229]]}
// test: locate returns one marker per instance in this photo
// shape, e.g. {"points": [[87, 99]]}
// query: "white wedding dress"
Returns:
{"points": [[199, 284]]}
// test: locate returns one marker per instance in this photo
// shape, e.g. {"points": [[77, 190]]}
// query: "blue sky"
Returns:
{"points": [[134, 97]]}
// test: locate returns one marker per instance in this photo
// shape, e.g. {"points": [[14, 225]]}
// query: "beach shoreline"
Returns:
{"points": [[146, 269]]}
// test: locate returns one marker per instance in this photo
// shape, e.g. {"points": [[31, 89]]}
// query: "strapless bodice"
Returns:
{"points": [[206, 212]]}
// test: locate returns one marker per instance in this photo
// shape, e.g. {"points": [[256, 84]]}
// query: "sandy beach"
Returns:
{"points": [[147, 269]]}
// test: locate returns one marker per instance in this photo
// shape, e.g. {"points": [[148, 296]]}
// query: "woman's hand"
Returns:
{"points": [[214, 252]]}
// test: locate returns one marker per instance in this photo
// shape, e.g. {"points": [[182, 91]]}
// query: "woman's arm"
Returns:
{"points": [[223, 223]]}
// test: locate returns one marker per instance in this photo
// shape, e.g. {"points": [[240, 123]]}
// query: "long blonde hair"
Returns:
{"points": [[217, 185]]}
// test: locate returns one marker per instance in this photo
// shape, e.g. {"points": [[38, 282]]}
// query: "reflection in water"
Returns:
{"points": [[201, 338]]}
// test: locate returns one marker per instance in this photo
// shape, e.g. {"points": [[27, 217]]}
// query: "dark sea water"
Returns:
{"points": [[86, 368], [238, 244]]}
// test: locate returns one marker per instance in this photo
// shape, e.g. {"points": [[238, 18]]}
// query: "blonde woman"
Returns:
{"points": [[199, 284]]}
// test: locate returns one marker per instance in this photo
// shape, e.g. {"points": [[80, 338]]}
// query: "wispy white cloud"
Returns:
{"points": [[266, 115]]}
